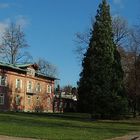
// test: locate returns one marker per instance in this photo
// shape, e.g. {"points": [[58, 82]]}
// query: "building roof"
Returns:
{"points": [[35, 66], [23, 68], [12, 66], [23, 65]]}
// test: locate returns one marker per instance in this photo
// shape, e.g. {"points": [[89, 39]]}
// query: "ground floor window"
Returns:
{"points": [[1, 99], [29, 100], [55, 104], [17, 100], [61, 104], [37, 101]]}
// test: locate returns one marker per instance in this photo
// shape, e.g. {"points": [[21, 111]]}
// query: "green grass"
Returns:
{"points": [[63, 126]]}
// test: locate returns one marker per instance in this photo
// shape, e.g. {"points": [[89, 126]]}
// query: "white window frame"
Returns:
{"points": [[4, 77], [31, 71], [18, 85], [49, 89], [29, 100], [37, 101], [38, 87], [17, 100], [29, 86], [1, 99]]}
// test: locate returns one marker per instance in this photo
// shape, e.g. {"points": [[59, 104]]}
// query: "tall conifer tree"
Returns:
{"points": [[101, 80]]}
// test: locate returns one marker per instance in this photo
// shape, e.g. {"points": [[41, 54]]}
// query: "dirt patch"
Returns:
{"points": [[14, 138]]}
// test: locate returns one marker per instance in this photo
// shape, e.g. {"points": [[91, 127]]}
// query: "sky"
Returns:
{"points": [[50, 27]]}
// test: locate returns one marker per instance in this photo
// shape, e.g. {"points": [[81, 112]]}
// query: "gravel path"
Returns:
{"points": [[132, 136], [14, 138]]}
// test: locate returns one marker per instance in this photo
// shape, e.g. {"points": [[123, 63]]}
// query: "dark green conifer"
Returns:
{"points": [[101, 80]]}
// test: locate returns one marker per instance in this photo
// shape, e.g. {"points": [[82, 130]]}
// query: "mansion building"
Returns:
{"points": [[23, 88]]}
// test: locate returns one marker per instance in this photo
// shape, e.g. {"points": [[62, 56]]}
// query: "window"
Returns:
{"points": [[31, 72], [37, 101], [61, 104], [55, 104], [29, 86], [49, 89], [29, 100], [38, 87], [17, 100], [18, 83], [48, 102], [3, 80], [1, 99]]}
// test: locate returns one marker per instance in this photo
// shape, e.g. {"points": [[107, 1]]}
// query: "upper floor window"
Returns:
{"points": [[29, 86], [31, 71], [38, 87], [49, 89], [18, 83], [3, 80], [1, 99]]}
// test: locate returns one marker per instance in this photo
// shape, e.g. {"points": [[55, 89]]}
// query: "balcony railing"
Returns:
{"points": [[30, 91]]}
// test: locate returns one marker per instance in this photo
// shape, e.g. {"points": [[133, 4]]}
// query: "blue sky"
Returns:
{"points": [[50, 27]]}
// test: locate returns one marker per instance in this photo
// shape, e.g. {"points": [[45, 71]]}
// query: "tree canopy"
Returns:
{"points": [[101, 80]]}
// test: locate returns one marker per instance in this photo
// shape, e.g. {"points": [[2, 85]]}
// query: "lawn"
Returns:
{"points": [[63, 126]]}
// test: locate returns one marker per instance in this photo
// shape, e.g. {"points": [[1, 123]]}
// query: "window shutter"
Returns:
{"points": [[31, 86], [5, 80], [21, 84], [16, 82], [27, 85], [40, 87], [50, 89], [47, 89]]}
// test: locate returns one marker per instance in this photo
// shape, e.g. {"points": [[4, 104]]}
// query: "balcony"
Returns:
{"points": [[30, 92]]}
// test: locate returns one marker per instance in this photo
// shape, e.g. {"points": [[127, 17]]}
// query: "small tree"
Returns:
{"points": [[13, 43]]}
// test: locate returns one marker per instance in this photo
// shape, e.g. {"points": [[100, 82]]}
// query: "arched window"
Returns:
{"points": [[38, 87]]}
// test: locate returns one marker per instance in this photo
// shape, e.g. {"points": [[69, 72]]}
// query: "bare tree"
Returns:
{"points": [[67, 89], [82, 41], [13, 45], [133, 78], [120, 32], [46, 67]]}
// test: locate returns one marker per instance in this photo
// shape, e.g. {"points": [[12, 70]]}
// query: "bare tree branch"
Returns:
{"points": [[13, 41], [46, 67], [120, 31]]}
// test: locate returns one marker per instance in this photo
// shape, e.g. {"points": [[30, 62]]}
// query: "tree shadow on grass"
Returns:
{"points": [[65, 121]]}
